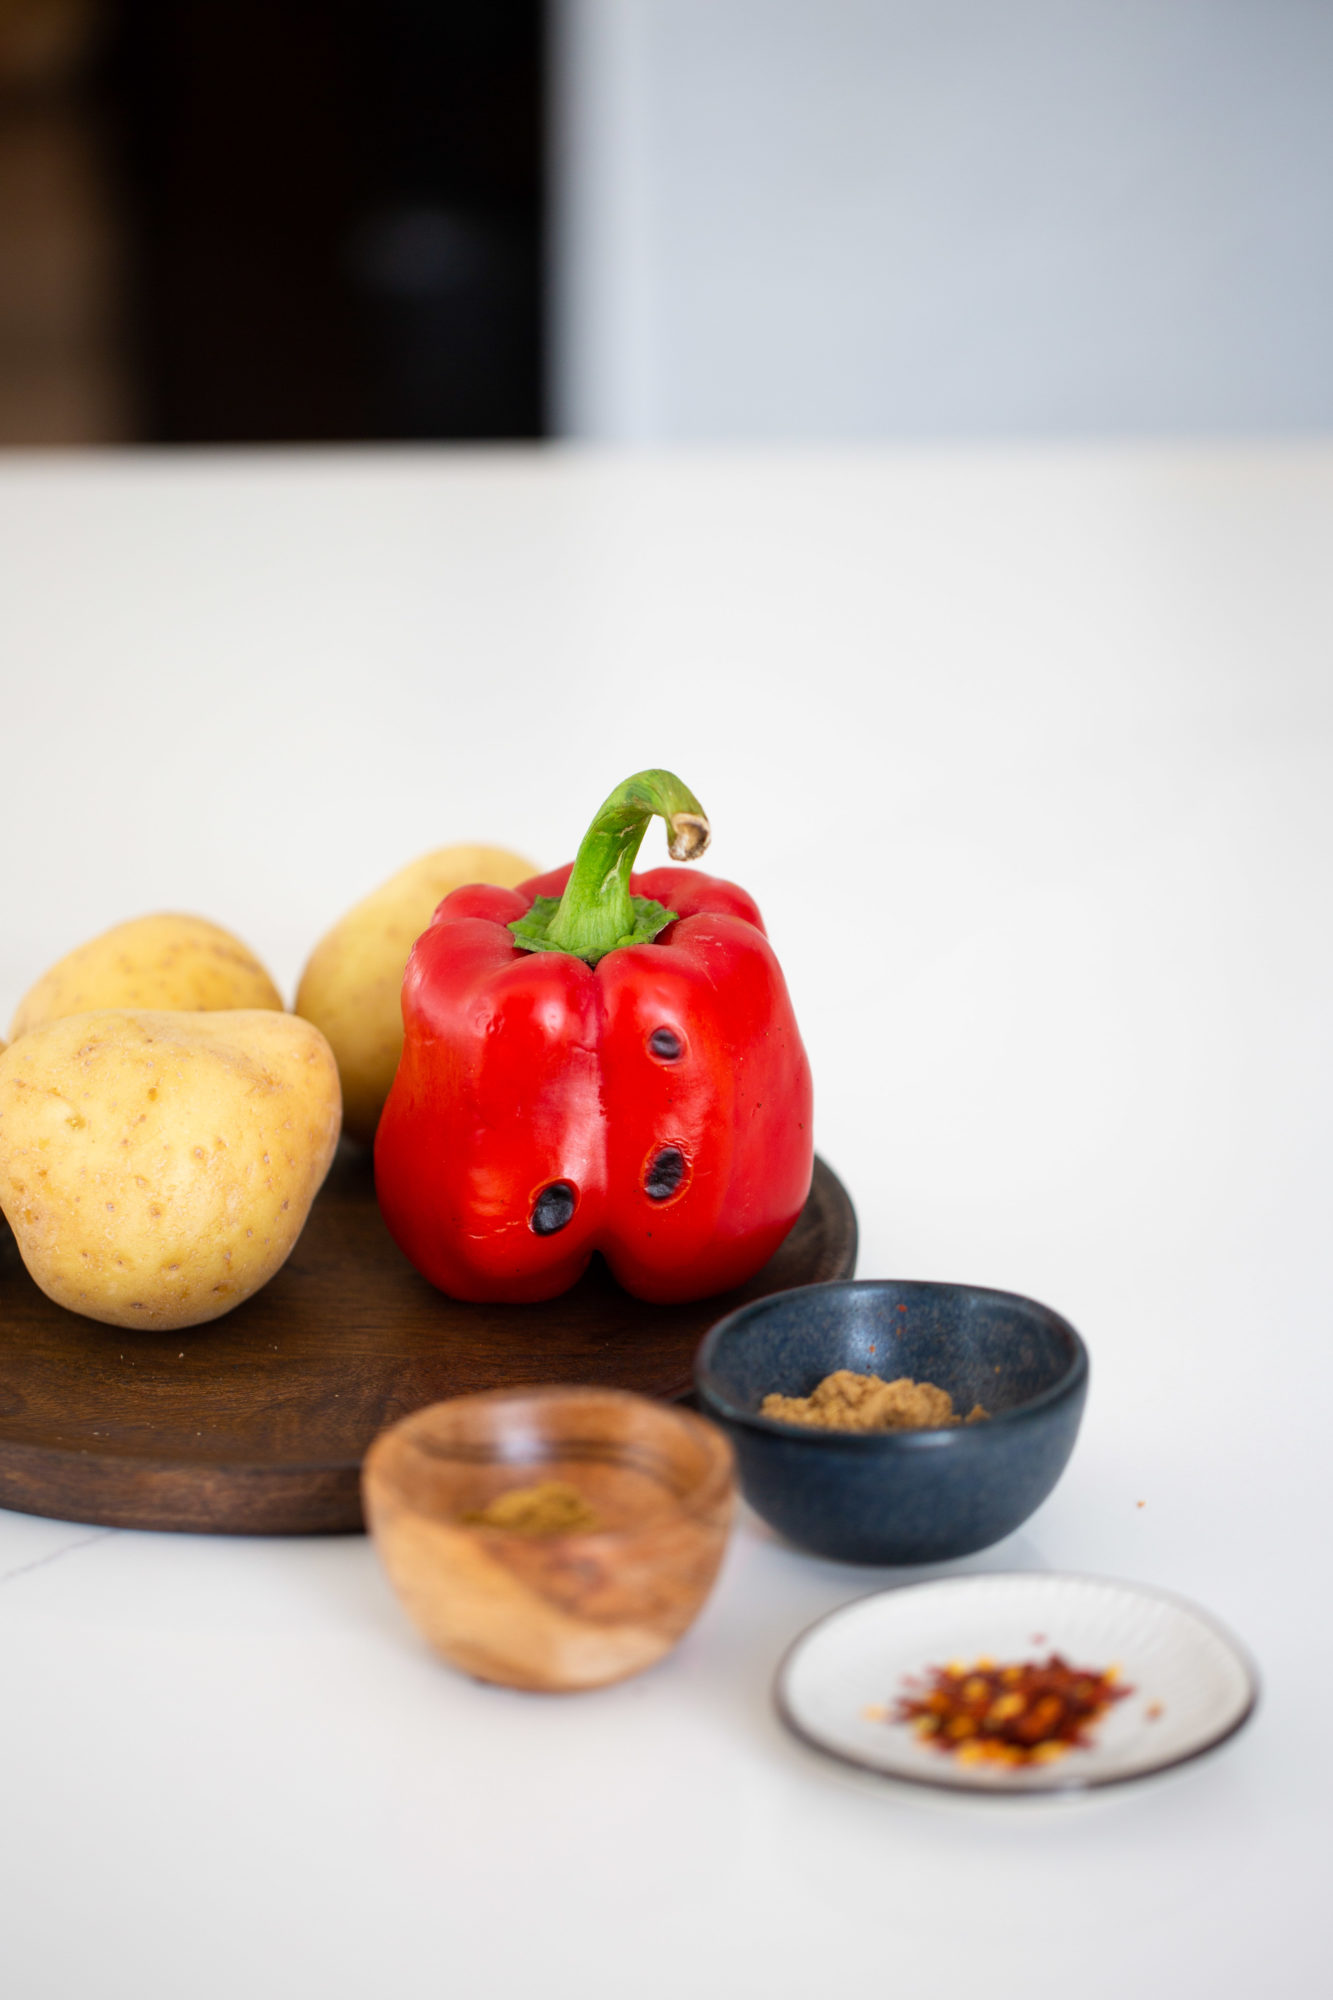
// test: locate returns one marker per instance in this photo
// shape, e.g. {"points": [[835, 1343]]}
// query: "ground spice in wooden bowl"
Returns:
{"points": [[553, 1507], [846, 1401], [1029, 1712]]}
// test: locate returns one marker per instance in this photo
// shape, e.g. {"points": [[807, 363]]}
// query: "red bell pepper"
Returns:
{"points": [[597, 1061]]}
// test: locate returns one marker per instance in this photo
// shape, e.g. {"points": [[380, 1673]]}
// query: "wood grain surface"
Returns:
{"points": [[563, 1611], [258, 1422]]}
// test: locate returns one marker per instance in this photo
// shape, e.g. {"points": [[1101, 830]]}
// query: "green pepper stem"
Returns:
{"points": [[597, 912]]}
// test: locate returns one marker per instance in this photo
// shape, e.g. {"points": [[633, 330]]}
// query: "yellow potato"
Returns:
{"points": [[161, 961], [352, 984], [156, 1168]]}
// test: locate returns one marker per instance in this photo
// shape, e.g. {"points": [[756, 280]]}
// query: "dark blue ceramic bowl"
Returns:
{"points": [[898, 1496]]}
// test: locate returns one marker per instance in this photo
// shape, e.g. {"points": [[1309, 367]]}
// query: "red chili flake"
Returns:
{"points": [[1026, 1712]]}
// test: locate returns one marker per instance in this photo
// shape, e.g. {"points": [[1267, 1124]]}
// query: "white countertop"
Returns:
{"points": [[1026, 758]]}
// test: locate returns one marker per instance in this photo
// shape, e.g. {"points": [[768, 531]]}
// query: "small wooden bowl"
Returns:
{"points": [[563, 1611]]}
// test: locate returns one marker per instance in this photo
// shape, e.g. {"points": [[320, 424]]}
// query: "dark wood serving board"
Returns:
{"points": [[257, 1423]]}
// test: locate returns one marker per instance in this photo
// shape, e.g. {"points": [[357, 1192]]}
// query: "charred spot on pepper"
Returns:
{"points": [[665, 1043], [553, 1208], [666, 1171]]}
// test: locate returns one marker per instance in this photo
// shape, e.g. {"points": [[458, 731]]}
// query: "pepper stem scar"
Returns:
{"points": [[597, 913]]}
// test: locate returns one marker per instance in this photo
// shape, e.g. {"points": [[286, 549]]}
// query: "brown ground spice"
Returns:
{"points": [[551, 1508], [846, 1401]]}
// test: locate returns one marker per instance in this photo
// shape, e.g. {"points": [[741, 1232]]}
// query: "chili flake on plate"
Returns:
{"points": [[1017, 1700], [1026, 1712]]}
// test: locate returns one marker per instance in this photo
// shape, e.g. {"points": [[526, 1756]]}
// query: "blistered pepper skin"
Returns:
{"points": [[655, 1107]]}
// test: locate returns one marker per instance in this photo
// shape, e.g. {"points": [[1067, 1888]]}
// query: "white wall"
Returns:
{"points": [[898, 218]]}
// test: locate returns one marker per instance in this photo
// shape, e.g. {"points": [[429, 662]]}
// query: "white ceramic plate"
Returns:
{"points": [[1193, 1685]]}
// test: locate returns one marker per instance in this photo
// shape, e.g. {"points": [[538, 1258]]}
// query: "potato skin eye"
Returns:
{"points": [[665, 1173], [553, 1208]]}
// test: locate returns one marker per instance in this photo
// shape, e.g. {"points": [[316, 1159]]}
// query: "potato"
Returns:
{"points": [[156, 1168], [351, 986], [161, 961]]}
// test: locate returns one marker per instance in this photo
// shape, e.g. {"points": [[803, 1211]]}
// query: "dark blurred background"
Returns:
{"points": [[236, 221], [660, 221]]}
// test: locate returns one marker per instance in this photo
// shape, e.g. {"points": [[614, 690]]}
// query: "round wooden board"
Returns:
{"points": [[257, 1423]]}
